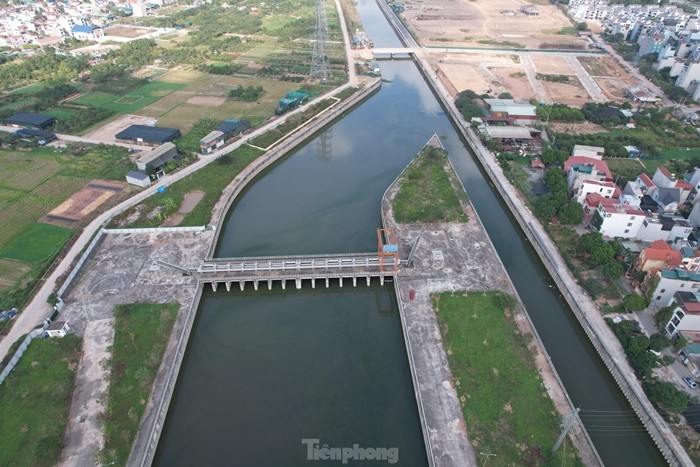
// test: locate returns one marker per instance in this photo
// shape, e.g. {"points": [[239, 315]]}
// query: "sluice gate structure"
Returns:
{"points": [[283, 269]]}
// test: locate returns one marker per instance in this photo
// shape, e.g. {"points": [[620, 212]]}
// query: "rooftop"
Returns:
{"points": [[680, 274], [151, 134], [579, 161], [511, 107]]}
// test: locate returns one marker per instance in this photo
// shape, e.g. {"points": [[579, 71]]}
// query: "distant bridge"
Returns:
{"points": [[312, 268], [392, 52]]}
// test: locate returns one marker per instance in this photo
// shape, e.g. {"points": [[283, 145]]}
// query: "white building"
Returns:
{"points": [[604, 189], [686, 315], [57, 329], [613, 219], [671, 281]]}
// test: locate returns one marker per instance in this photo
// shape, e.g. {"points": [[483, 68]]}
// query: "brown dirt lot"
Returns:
{"points": [[613, 88], [602, 66], [468, 71], [571, 93], [107, 132], [514, 81], [463, 22], [552, 65], [583, 128], [73, 210], [123, 31]]}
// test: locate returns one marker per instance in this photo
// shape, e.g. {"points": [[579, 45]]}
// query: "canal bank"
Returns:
{"points": [[586, 312], [457, 257]]}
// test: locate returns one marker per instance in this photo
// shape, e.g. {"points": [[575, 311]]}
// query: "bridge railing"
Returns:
{"points": [[290, 264]]}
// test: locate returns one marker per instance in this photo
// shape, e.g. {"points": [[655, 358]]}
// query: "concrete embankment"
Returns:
{"points": [[146, 442], [588, 315], [470, 263]]}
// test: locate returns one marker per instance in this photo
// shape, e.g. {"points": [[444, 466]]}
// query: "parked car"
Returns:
{"points": [[692, 384]]}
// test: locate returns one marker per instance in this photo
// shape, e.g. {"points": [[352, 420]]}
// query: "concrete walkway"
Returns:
{"points": [[84, 436]]}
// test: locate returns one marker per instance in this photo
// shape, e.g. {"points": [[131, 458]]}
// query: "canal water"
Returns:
{"points": [[266, 370]]}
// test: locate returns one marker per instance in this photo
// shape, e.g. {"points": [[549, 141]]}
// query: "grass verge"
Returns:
{"points": [[211, 179], [141, 335], [34, 402], [505, 405], [426, 193]]}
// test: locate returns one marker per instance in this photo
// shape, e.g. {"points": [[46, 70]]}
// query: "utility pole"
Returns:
{"points": [[566, 426], [487, 455]]}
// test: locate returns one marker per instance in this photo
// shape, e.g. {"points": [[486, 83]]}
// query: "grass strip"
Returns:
{"points": [[141, 333], [426, 193], [505, 404], [34, 402]]}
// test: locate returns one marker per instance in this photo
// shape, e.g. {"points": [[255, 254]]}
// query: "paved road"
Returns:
{"points": [[39, 309], [588, 83]]}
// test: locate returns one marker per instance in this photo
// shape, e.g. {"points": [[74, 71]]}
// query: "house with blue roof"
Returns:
{"points": [[86, 33]]}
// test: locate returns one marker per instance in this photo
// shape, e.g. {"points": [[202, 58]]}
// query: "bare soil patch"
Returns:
{"points": [[208, 101], [190, 201], [552, 65], [460, 22], [602, 66], [514, 81], [582, 128], [124, 31], [73, 210], [613, 88], [108, 131], [571, 93]]}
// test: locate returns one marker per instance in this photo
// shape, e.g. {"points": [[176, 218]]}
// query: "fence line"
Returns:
{"points": [[21, 349], [198, 228]]}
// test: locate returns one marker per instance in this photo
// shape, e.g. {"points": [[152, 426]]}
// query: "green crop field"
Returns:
{"points": [[11, 272], [132, 100], [31, 89], [37, 243], [20, 171]]}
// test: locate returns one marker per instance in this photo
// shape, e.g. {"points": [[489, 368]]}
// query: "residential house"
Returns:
{"points": [[658, 256], [613, 219], [667, 228], [664, 178], [668, 199], [89, 33], [686, 314], [603, 188], [580, 168], [666, 282]]}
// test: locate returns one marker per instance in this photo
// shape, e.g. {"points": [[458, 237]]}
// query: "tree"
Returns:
{"points": [[582, 26], [663, 316], [602, 254], [571, 214], [589, 241], [667, 395], [659, 342], [613, 270], [505, 95], [634, 302], [593, 287]]}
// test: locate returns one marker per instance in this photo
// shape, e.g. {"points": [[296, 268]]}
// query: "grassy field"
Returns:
{"points": [[505, 406], [141, 334], [34, 402], [174, 110], [426, 193], [37, 243], [212, 179], [132, 100], [31, 184]]}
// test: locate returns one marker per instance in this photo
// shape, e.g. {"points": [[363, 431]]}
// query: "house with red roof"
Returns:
{"points": [[579, 168], [658, 256]]}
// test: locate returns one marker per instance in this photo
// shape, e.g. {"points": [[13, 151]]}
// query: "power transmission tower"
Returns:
{"points": [[566, 426], [320, 65]]}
